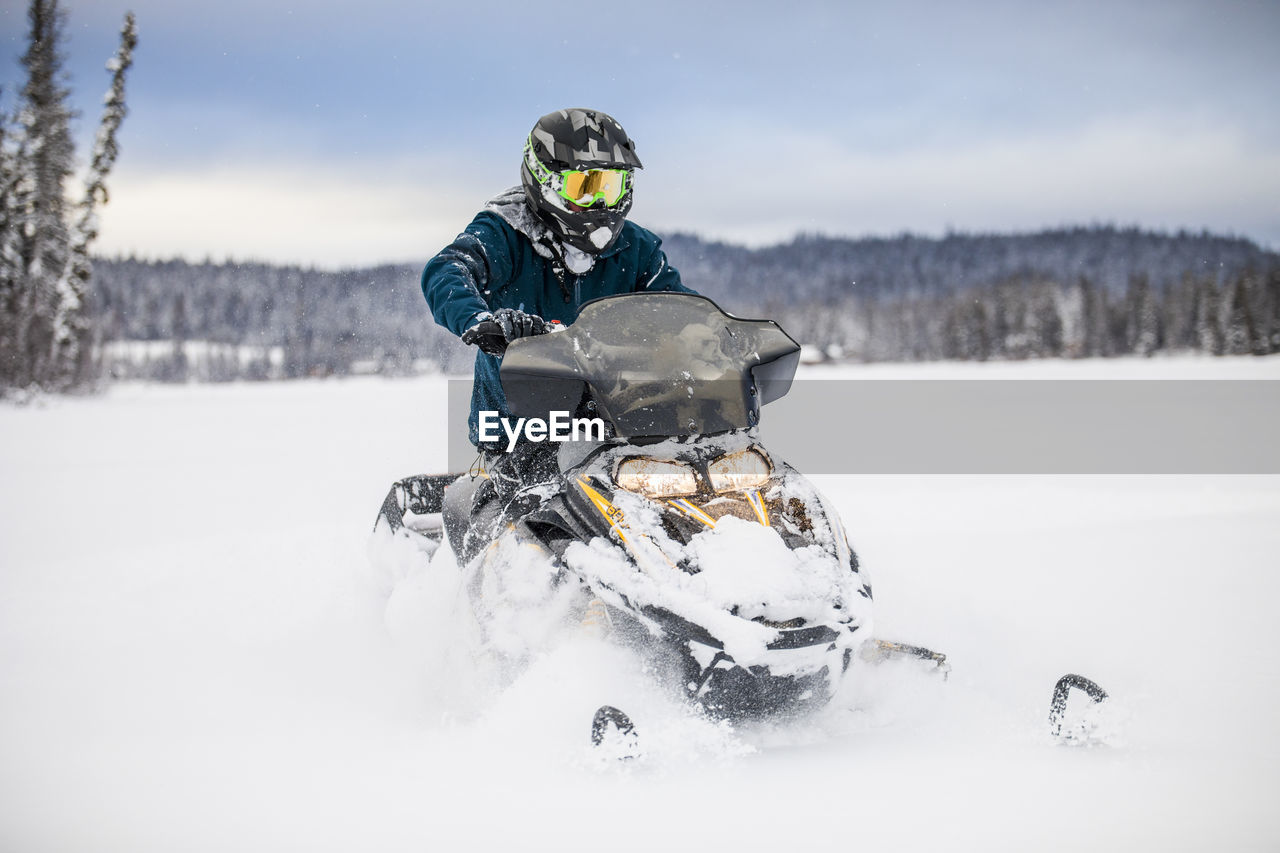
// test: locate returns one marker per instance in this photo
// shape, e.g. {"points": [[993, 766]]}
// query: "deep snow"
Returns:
{"points": [[197, 653]]}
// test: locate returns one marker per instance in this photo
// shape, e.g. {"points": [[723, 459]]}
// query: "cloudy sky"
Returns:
{"points": [[348, 133]]}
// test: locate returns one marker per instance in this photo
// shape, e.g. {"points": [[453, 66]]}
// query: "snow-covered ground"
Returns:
{"points": [[197, 653]]}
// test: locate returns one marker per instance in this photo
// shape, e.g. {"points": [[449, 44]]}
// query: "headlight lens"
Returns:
{"points": [[746, 469], [656, 478]]}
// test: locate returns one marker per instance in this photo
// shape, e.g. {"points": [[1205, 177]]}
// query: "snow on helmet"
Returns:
{"points": [[577, 174]]}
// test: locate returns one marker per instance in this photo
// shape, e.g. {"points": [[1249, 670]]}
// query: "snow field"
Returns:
{"points": [[200, 649]]}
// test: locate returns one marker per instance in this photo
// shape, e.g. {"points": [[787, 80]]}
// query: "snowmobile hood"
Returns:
{"points": [[656, 364]]}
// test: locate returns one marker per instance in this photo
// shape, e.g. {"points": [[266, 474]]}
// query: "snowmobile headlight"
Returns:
{"points": [[655, 478], [746, 469]]}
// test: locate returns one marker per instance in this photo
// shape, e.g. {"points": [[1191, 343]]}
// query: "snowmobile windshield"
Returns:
{"points": [[656, 364]]}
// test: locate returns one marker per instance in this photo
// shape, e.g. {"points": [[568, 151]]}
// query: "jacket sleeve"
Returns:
{"points": [[656, 273], [457, 281]]}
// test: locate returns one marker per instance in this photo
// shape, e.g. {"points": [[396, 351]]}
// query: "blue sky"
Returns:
{"points": [[343, 133]]}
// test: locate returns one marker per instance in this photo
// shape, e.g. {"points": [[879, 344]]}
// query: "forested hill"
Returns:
{"points": [[824, 268], [1071, 292]]}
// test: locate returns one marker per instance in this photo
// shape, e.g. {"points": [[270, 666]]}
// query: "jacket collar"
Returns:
{"points": [[513, 206]]}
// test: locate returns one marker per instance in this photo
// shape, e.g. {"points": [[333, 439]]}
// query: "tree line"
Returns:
{"points": [[1035, 316], [259, 321], [68, 318], [1076, 293], [1083, 292]]}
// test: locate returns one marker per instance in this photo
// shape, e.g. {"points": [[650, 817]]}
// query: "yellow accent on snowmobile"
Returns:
{"points": [[640, 547], [757, 504], [612, 514], [689, 509]]}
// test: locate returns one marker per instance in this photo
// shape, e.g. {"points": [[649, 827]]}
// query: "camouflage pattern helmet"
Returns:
{"points": [[578, 139]]}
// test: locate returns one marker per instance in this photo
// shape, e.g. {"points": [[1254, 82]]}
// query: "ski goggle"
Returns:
{"points": [[582, 188]]}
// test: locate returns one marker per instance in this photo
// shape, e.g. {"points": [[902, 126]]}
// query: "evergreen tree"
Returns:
{"points": [[1046, 329], [45, 328], [42, 164], [1271, 311], [1208, 325], [1241, 329], [8, 248], [1090, 334], [1143, 333], [73, 344]]}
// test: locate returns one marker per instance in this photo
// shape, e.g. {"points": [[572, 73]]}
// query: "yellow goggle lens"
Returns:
{"points": [[584, 187]]}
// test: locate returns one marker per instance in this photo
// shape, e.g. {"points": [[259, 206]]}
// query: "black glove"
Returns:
{"points": [[487, 335], [493, 333], [517, 324]]}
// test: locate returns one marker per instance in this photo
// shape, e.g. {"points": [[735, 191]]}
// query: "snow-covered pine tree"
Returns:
{"points": [[1241, 329], [1142, 334], [8, 249], [1093, 318], [45, 330], [46, 161], [1272, 311], [1208, 323], [73, 343]]}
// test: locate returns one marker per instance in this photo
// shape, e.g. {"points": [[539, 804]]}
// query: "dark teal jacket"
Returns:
{"points": [[490, 265]]}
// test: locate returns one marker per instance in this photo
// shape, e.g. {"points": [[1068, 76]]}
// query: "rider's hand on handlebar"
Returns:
{"points": [[495, 331], [487, 335], [518, 324]]}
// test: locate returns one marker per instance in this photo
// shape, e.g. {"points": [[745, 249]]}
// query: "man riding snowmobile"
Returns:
{"points": [[535, 255], [724, 565]]}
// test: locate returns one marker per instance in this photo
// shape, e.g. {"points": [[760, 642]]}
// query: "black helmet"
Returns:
{"points": [[563, 149]]}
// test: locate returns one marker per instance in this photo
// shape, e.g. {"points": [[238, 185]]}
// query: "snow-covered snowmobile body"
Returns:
{"points": [[678, 531]]}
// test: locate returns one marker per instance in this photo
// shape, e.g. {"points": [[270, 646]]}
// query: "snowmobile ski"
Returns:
{"points": [[881, 650], [414, 504], [1058, 706], [612, 729]]}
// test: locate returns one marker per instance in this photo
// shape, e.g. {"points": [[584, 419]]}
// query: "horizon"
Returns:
{"points": [[297, 141]]}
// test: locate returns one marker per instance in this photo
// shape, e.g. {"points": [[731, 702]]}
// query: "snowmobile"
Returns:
{"points": [[671, 527]]}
